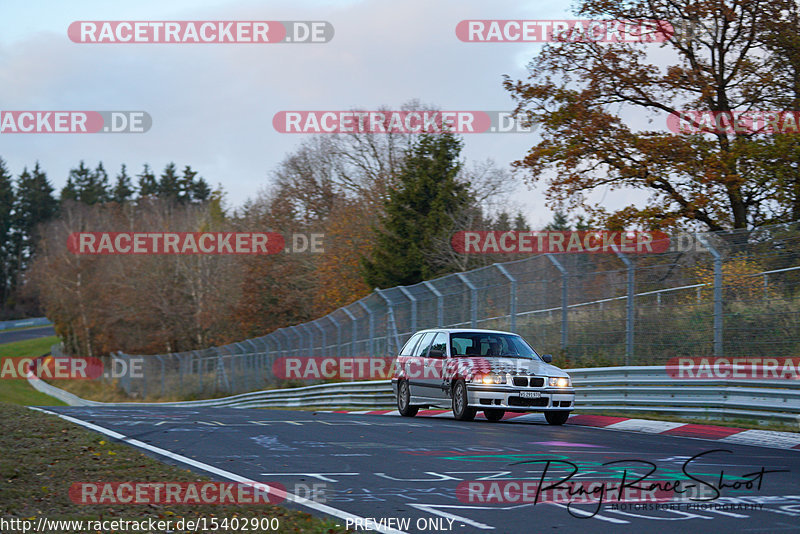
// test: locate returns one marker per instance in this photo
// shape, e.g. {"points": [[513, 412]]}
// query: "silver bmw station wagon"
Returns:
{"points": [[479, 370]]}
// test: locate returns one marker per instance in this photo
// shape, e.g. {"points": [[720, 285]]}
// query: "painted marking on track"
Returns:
{"points": [[325, 477], [325, 509]]}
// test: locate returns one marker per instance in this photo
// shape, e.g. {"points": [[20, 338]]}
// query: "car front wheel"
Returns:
{"points": [[404, 400], [556, 418], [461, 410]]}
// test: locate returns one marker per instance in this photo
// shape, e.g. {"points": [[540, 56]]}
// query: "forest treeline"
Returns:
{"points": [[386, 205]]}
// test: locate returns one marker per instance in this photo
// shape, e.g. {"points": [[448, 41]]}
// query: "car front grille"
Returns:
{"points": [[519, 401], [523, 381]]}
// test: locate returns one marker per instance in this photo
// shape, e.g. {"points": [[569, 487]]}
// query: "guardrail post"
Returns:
{"points": [[629, 307], [717, 293], [413, 300], [439, 303], [473, 300], [512, 307], [564, 297]]}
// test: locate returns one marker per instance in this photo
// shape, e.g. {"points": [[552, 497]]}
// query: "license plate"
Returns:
{"points": [[530, 394]]}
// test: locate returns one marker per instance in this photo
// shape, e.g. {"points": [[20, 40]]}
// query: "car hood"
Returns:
{"points": [[518, 366]]}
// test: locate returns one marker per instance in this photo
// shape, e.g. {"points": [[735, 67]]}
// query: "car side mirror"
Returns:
{"points": [[548, 358], [436, 353]]}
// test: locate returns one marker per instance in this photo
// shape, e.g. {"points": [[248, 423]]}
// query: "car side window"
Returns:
{"points": [[408, 348], [440, 343], [425, 342]]}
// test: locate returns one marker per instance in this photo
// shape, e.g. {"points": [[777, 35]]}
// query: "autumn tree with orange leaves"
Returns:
{"points": [[726, 56]]}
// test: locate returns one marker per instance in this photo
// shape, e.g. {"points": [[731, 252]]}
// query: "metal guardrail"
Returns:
{"points": [[601, 389], [22, 323]]}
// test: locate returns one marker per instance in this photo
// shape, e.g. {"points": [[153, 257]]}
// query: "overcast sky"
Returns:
{"points": [[212, 104]]}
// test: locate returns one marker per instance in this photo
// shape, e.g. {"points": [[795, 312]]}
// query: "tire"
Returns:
{"points": [[461, 411], [556, 418], [494, 414], [404, 400]]}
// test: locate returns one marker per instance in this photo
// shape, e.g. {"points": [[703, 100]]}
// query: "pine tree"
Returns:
{"points": [[169, 184], [7, 201], [502, 223], [201, 192], [147, 182], [35, 204], [560, 222], [520, 224], [424, 201], [123, 188], [69, 191], [86, 185]]}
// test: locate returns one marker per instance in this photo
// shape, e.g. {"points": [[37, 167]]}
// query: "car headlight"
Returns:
{"points": [[490, 378], [559, 382]]}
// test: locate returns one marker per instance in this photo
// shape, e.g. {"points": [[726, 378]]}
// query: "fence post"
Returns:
{"points": [[439, 305], [564, 296], [390, 323], [293, 330], [371, 327], [324, 337], [355, 335], [512, 311], [288, 341], [717, 293], [630, 303], [338, 326], [310, 333], [473, 300], [413, 300]]}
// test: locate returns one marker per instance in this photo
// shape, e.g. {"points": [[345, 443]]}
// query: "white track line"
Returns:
{"points": [[219, 472]]}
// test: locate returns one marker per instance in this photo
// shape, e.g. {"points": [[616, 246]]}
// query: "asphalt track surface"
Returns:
{"points": [[28, 333], [384, 467]]}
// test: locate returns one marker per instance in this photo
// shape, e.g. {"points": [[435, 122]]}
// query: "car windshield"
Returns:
{"points": [[491, 344]]}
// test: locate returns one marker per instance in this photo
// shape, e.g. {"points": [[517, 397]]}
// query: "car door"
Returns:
{"points": [[434, 362], [414, 366]]}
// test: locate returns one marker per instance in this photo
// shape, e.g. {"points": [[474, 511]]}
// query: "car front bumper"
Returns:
{"points": [[509, 398]]}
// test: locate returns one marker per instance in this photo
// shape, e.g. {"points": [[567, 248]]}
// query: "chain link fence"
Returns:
{"points": [[714, 294]]}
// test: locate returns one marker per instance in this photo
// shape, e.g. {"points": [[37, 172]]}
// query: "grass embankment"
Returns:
{"points": [[44, 455], [18, 391]]}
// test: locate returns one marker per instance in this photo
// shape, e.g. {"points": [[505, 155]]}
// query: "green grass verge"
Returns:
{"points": [[44, 455], [19, 391]]}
